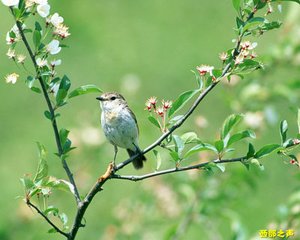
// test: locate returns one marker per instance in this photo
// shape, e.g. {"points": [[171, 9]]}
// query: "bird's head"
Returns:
{"points": [[111, 100]]}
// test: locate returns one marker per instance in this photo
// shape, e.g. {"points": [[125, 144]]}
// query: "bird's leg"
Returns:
{"points": [[115, 156]]}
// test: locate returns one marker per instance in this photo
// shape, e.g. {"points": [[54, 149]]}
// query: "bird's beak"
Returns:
{"points": [[100, 98]]}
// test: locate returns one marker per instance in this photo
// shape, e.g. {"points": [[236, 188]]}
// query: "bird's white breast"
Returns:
{"points": [[120, 128]]}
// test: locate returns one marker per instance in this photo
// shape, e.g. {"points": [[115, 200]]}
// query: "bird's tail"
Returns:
{"points": [[138, 162]]}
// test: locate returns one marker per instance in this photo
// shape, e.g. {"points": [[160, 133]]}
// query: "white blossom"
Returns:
{"points": [[203, 69], [239, 59], [61, 30], [21, 58], [254, 119], [56, 19], [11, 53], [54, 63], [12, 78], [41, 62], [10, 3], [41, 2], [53, 47], [54, 89], [43, 10]]}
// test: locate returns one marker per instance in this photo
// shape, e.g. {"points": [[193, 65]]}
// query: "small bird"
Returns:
{"points": [[120, 126]]}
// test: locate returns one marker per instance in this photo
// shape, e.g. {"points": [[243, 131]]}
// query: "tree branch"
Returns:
{"points": [[110, 173], [51, 110], [188, 113], [87, 200], [173, 170], [46, 218]]}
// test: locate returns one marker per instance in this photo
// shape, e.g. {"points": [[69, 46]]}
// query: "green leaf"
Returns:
{"points": [[247, 66], [30, 81], [221, 166], [36, 38], [200, 147], [84, 90], [38, 26], [179, 144], [42, 170], [154, 121], [158, 159], [36, 89], [251, 151], [52, 230], [239, 136], [63, 136], [190, 137], [64, 87], [288, 143], [259, 4], [229, 124], [51, 210], [267, 26], [219, 145], [283, 130], [253, 23], [236, 4], [254, 162], [48, 115], [174, 155], [63, 217], [266, 150], [239, 23], [27, 183], [181, 101], [61, 184]]}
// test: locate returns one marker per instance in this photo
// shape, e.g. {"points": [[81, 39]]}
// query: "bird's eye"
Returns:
{"points": [[113, 98]]}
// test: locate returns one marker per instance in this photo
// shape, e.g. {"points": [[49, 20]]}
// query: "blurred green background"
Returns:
{"points": [[141, 49]]}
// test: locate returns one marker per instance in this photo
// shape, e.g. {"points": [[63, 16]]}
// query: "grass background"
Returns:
{"points": [[140, 48]]}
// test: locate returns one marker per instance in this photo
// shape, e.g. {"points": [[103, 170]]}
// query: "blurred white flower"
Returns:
{"points": [[12, 78], [54, 89], [21, 58], [29, 3], [56, 19], [14, 35], [54, 63], [41, 62], [239, 59], [43, 10], [41, 2], [248, 45], [223, 56], [10, 3], [203, 69], [254, 119], [61, 30], [91, 136], [11, 53], [130, 83], [53, 47], [201, 121]]}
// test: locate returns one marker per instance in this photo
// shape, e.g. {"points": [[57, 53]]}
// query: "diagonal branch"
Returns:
{"points": [[189, 112], [46, 218], [173, 170], [51, 110]]}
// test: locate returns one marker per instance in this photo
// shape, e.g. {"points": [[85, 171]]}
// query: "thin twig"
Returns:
{"points": [[46, 218], [51, 110], [136, 178]]}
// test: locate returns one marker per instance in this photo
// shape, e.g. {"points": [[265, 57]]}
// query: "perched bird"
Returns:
{"points": [[120, 126]]}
